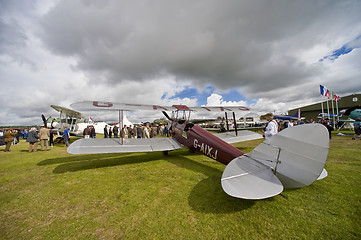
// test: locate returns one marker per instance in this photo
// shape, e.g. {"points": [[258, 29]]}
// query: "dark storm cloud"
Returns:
{"points": [[12, 35], [254, 44]]}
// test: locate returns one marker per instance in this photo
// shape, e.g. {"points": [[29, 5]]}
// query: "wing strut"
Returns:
{"points": [[235, 123], [225, 113], [121, 140]]}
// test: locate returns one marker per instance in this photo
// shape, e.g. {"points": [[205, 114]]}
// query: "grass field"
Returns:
{"points": [[55, 195]]}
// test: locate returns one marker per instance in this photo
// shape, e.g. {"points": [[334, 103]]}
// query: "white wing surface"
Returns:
{"points": [[297, 154], [249, 179], [68, 112], [243, 135], [115, 145], [219, 109], [293, 158], [99, 105]]}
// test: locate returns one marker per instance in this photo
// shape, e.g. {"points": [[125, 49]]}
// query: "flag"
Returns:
{"points": [[323, 90], [328, 94], [335, 97]]}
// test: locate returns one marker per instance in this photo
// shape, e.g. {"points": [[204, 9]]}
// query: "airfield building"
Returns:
{"points": [[313, 110]]}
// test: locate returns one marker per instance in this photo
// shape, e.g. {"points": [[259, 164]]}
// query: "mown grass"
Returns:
{"points": [[55, 195]]}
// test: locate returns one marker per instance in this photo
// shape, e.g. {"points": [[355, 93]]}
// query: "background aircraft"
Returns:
{"points": [[67, 118], [353, 112], [293, 158], [75, 121], [296, 116]]}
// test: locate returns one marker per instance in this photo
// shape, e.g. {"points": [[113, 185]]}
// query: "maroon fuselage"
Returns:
{"points": [[197, 139]]}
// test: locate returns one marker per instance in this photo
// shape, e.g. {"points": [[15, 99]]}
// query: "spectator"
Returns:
{"points": [[44, 137], [271, 127], [51, 137], [86, 132], [139, 132], [92, 132], [33, 140], [130, 132], [106, 131], [328, 125], [8, 139], [115, 131], [357, 128], [66, 136], [146, 132]]}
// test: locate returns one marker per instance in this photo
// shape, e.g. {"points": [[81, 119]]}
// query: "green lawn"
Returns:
{"points": [[55, 195]]}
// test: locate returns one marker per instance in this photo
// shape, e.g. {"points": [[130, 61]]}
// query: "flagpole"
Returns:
{"points": [[338, 117], [323, 113], [328, 109], [333, 114]]}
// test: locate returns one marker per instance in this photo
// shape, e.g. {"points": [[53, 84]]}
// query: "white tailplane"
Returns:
{"points": [[293, 158]]}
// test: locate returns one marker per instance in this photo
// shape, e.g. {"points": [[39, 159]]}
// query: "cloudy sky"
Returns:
{"points": [[266, 55]]}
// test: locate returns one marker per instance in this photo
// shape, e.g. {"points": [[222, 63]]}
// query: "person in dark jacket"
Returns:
{"points": [[106, 131], [328, 126], [51, 137], [139, 132], [86, 132], [357, 128], [92, 132], [32, 139]]}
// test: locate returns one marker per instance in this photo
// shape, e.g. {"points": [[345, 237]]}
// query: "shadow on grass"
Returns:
{"points": [[208, 196], [80, 158], [93, 161]]}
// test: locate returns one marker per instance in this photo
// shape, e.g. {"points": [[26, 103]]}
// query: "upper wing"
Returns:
{"points": [[97, 105], [116, 145], [68, 112], [243, 135], [219, 109]]}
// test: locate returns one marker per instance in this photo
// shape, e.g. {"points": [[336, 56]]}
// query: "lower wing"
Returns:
{"points": [[118, 145], [243, 135]]}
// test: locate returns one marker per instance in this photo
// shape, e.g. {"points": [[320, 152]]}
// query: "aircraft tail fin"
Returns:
{"points": [[297, 114], [295, 156]]}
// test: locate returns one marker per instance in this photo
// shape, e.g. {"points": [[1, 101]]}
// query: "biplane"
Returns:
{"points": [[293, 158], [67, 118]]}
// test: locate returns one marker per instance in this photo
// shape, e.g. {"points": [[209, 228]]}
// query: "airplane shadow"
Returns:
{"points": [[93, 161], [208, 196]]}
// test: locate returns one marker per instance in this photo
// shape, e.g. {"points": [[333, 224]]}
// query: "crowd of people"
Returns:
{"points": [[9, 137], [136, 131], [273, 126], [32, 136]]}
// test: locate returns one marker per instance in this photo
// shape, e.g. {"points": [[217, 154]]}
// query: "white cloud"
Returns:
{"points": [[60, 52], [217, 100]]}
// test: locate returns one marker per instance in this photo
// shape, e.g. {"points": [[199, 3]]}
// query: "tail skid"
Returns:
{"points": [[293, 158]]}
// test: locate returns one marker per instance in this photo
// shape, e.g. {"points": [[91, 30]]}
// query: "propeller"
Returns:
{"points": [[44, 120], [166, 115]]}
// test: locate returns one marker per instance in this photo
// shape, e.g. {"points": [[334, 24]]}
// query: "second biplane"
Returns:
{"points": [[293, 158]]}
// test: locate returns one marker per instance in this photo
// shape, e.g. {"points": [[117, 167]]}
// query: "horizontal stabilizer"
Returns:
{"points": [[249, 179], [243, 135], [118, 145], [297, 154]]}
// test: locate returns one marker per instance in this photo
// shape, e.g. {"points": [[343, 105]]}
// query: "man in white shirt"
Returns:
{"points": [[290, 123], [271, 127]]}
